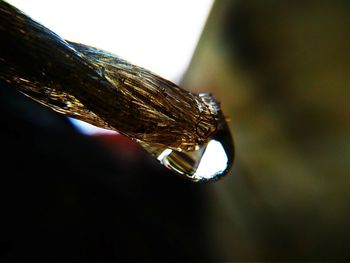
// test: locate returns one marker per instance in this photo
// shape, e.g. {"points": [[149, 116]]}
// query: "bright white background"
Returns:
{"points": [[160, 35]]}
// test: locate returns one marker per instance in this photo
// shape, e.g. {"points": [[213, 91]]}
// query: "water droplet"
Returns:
{"points": [[210, 162]]}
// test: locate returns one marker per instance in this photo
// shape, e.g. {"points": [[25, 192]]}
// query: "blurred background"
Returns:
{"points": [[280, 70]]}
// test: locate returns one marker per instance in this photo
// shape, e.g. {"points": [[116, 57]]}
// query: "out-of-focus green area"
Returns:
{"points": [[281, 70]]}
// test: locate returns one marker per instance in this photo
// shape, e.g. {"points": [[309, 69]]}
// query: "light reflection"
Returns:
{"points": [[209, 162], [164, 154], [214, 161], [89, 129]]}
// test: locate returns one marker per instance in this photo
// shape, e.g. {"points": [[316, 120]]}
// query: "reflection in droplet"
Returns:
{"points": [[210, 162]]}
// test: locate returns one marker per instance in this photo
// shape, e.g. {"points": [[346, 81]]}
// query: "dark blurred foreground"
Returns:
{"points": [[66, 198]]}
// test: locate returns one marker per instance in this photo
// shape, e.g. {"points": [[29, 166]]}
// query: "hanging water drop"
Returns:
{"points": [[210, 162]]}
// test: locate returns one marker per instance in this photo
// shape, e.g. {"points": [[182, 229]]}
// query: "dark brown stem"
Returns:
{"points": [[100, 88]]}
